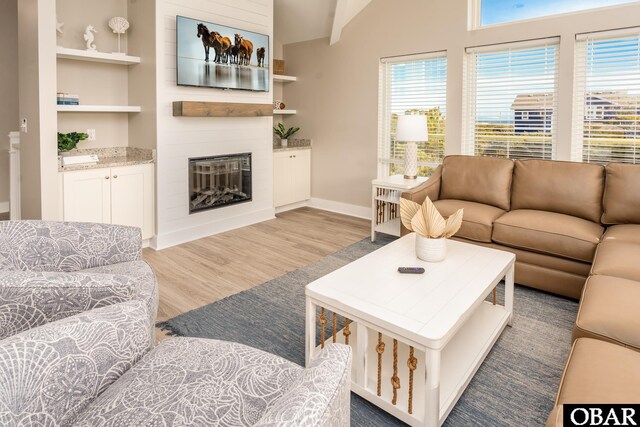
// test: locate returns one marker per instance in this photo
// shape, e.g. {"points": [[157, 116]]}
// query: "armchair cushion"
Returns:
{"points": [[187, 381], [622, 194], [623, 233], [617, 259], [65, 246], [52, 372]]}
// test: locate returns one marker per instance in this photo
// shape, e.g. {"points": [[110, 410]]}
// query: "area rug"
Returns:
{"points": [[515, 386]]}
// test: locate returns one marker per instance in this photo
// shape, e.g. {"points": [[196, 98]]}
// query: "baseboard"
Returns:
{"points": [[341, 208], [296, 205], [163, 241], [4, 207]]}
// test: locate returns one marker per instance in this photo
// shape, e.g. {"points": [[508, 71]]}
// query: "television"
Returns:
{"points": [[217, 56]]}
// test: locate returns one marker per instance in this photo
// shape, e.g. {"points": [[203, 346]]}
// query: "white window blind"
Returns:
{"points": [[412, 85], [511, 93], [606, 122]]}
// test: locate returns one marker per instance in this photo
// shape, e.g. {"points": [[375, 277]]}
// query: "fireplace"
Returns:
{"points": [[219, 181]]}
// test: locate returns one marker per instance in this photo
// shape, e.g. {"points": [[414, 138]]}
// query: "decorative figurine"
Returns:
{"points": [[89, 37], [119, 25]]}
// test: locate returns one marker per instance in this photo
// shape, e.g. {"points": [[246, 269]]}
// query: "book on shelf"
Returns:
{"points": [[67, 99]]}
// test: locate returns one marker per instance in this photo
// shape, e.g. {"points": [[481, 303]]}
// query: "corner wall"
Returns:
{"points": [[8, 90], [182, 137], [336, 94]]}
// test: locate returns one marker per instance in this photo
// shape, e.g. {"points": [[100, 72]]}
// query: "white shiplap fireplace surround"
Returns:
{"points": [[180, 138]]}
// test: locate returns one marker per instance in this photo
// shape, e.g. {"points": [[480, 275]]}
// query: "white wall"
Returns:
{"points": [[182, 137], [8, 90], [336, 94]]}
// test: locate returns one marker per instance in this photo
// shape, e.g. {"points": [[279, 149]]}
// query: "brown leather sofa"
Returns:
{"points": [[575, 230]]}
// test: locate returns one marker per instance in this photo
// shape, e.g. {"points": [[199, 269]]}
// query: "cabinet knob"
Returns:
{"points": [[115, 176], [106, 177]]}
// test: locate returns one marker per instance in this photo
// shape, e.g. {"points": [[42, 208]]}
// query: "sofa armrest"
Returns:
{"points": [[320, 397], [66, 246], [430, 188], [51, 373], [29, 299]]}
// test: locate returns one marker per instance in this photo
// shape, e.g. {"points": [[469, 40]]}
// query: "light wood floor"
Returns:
{"points": [[198, 273]]}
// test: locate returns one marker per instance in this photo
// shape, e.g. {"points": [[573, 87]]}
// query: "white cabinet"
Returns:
{"points": [[291, 176], [119, 195]]}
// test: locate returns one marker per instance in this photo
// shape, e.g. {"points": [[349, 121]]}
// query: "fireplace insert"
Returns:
{"points": [[219, 181]]}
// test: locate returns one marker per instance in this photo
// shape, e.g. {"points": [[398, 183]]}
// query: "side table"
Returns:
{"points": [[385, 206]]}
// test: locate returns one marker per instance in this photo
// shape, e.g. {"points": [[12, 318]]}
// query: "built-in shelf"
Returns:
{"points": [[283, 112], [98, 108], [220, 109], [283, 78], [94, 56]]}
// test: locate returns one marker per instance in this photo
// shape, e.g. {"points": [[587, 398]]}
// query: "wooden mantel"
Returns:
{"points": [[220, 109]]}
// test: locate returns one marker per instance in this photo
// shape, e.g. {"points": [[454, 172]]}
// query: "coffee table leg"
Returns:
{"points": [[432, 389], [310, 336], [508, 292]]}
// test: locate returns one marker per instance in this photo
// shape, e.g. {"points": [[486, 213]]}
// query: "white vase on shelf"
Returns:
{"points": [[431, 250], [284, 142]]}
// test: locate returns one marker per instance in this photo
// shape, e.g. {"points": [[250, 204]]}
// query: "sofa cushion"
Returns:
{"points": [[623, 233], [622, 194], [609, 311], [618, 259], [563, 187], [477, 179], [598, 372], [477, 220], [549, 233], [190, 380]]}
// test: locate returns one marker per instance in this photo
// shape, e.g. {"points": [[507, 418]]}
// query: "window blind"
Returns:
{"points": [[412, 85], [606, 123], [511, 93]]}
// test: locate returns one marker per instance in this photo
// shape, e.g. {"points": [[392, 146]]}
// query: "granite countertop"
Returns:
{"points": [[293, 144], [111, 157]]}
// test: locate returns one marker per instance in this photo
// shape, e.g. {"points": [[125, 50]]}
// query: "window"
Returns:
{"points": [[417, 85], [511, 100], [501, 11], [606, 122]]}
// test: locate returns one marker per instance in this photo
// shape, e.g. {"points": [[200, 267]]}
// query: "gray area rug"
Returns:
{"points": [[515, 386]]}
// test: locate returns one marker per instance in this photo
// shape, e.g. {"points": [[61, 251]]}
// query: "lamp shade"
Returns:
{"points": [[412, 128]]}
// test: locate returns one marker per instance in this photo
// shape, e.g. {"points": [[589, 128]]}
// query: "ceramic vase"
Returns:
{"points": [[431, 250], [284, 142]]}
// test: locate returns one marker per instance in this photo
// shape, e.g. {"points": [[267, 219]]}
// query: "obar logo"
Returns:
{"points": [[601, 415]]}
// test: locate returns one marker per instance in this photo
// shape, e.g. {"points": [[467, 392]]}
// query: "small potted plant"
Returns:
{"points": [[68, 141], [284, 133]]}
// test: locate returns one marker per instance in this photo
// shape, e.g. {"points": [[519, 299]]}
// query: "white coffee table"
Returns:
{"points": [[442, 314]]}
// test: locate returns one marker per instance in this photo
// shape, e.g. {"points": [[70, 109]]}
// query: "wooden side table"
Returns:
{"points": [[385, 206]]}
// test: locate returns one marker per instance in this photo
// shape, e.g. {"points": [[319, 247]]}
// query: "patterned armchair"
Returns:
{"points": [[93, 369], [53, 270]]}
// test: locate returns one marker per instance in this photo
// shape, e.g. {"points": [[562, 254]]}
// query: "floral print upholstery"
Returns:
{"points": [[194, 381], [320, 396], [52, 270], [52, 372]]}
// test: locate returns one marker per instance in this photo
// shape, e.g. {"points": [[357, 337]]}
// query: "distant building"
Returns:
{"points": [[533, 112]]}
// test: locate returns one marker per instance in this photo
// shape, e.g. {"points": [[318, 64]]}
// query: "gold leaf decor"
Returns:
{"points": [[426, 221]]}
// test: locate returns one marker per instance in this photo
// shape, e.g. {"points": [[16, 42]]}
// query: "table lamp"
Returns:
{"points": [[411, 129]]}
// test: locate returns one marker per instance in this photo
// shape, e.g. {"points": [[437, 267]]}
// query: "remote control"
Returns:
{"points": [[410, 270]]}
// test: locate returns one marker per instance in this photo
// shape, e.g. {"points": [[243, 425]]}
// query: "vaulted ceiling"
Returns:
{"points": [[302, 20]]}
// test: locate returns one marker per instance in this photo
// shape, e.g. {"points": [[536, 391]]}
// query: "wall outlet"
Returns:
{"points": [[92, 134], [23, 125]]}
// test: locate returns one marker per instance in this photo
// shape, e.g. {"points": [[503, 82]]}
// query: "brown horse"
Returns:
{"points": [[207, 40], [221, 45], [260, 55], [245, 50]]}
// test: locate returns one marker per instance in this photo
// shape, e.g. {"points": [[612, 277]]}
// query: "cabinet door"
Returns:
{"points": [[86, 196], [132, 197], [282, 187], [301, 175]]}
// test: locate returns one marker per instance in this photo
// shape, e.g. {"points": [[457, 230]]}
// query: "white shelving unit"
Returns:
{"points": [[284, 79], [94, 56], [98, 109], [385, 208], [283, 112]]}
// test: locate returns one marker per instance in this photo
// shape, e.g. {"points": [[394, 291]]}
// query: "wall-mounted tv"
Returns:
{"points": [[213, 55]]}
